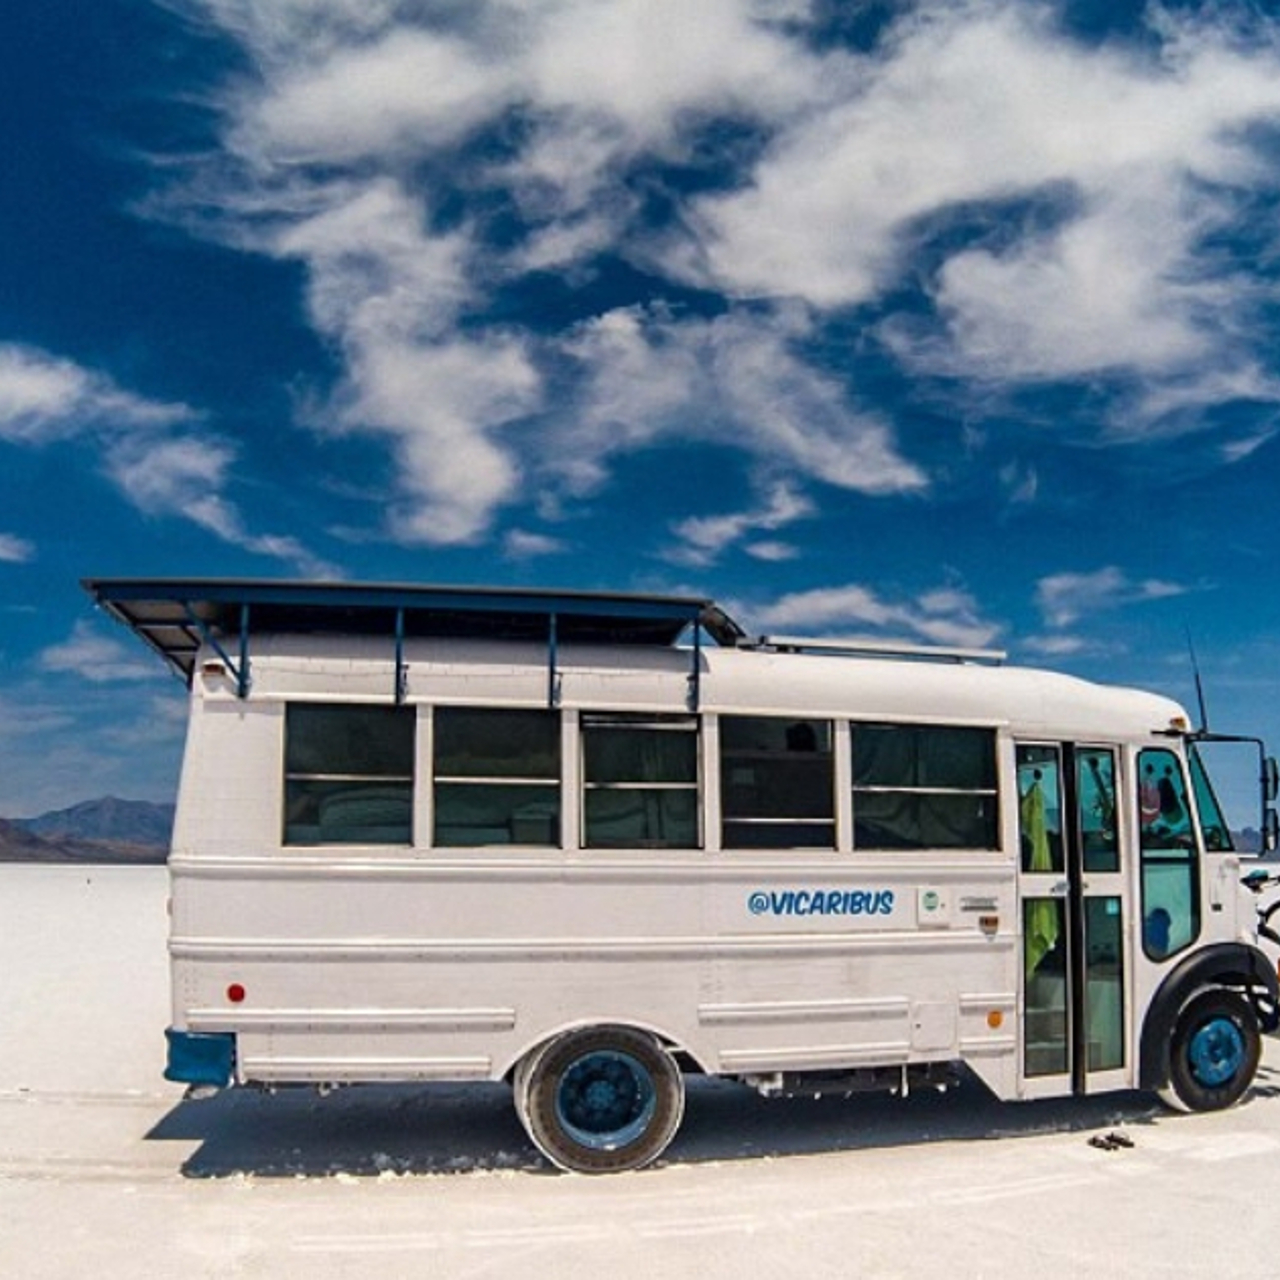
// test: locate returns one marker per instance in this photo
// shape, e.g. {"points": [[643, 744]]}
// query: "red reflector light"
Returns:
{"points": [[235, 993]]}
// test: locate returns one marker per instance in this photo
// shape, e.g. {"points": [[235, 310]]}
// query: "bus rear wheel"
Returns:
{"points": [[600, 1100], [1214, 1053]]}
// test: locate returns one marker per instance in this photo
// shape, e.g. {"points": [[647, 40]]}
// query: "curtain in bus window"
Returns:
{"points": [[920, 787], [777, 785], [348, 774], [497, 777], [919, 820], [640, 779]]}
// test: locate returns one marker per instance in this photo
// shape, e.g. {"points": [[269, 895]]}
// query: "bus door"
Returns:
{"points": [[1074, 907]]}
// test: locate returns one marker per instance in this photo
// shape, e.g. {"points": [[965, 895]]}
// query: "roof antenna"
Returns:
{"points": [[1195, 671]]}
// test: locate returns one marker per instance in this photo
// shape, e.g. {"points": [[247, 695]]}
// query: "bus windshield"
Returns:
{"points": [[1217, 835]]}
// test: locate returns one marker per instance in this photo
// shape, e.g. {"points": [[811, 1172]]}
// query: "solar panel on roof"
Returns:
{"points": [[174, 616]]}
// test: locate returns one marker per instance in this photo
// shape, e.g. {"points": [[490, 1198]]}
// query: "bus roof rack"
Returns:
{"points": [[175, 616], [858, 648]]}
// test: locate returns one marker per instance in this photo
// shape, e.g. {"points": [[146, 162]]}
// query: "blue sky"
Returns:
{"points": [[948, 322]]}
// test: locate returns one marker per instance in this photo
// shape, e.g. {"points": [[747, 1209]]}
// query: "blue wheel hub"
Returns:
{"points": [[1216, 1052], [605, 1100]]}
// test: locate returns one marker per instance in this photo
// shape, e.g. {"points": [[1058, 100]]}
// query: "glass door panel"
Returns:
{"points": [[1104, 982], [1045, 1021], [1073, 913]]}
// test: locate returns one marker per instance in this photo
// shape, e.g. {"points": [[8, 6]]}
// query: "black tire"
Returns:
{"points": [[1214, 1052], [601, 1100]]}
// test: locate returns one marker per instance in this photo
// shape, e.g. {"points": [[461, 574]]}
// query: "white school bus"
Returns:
{"points": [[592, 843]]}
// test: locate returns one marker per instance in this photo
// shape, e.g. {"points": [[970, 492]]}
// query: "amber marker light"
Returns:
{"points": [[995, 1019]]}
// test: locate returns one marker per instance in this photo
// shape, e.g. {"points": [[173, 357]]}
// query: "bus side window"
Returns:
{"points": [[497, 777], [924, 787], [1170, 865], [777, 786], [640, 781], [348, 774]]}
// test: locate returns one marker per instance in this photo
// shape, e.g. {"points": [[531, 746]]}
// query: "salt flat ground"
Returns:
{"points": [[106, 1172]]}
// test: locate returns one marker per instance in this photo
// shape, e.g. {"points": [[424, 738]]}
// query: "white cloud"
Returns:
{"points": [[704, 539], [945, 616], [346, 103], [1101, 293], [1057, 646], [444, 404], [645, 63], [149, 448], [44, 398], [16, 550], [374, 268], [1064, 598], [399, 92], [735, 380], [772, 550], [985, 101], [185, 476], [978, 101], [96, 658], [521, 544], [24, 715], [355, 130], [389, 293], [1020, 482]]}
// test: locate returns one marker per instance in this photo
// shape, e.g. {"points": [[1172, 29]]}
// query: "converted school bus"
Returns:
{"points": [[588, 843]]}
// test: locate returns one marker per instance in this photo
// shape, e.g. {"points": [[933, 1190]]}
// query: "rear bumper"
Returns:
{"points": [[207, 1058]]}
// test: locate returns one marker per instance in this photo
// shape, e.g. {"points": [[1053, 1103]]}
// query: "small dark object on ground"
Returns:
{"points": [[1112, 1141]]}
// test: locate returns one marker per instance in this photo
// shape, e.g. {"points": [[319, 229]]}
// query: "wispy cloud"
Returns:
{"points": [[159, 455], [15, 550], [44, 398], [703, 539], [69, 739], [943, 616], [522, 544], [1127, 159], [334, 156], [772, 550], [1058, 210], [737, 380], [97, 658], [1065, 598]]}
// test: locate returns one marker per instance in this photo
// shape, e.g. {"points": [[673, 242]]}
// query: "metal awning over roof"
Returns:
{"points": [[175, 617]]}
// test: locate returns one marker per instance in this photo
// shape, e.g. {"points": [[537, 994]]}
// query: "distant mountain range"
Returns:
{"points": [[105, 830]]}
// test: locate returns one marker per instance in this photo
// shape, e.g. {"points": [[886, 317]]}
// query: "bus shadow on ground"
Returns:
{"points": [[374, 1131]]}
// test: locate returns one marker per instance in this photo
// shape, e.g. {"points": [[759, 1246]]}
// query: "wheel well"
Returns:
{"points": [[685, 1059], [1231, 965]]}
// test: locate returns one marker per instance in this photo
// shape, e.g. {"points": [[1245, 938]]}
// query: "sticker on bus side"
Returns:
{"points": [[821, 902]]}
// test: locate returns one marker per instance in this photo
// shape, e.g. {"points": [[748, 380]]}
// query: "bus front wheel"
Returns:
{"points": [[1214, 1051], [600, 1100]]}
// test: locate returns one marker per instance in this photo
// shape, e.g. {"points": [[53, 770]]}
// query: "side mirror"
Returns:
{"points": [[1270, 780], [1270, 831]]}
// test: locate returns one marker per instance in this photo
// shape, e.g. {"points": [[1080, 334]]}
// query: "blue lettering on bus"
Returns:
{"points": [[821, 902]]}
